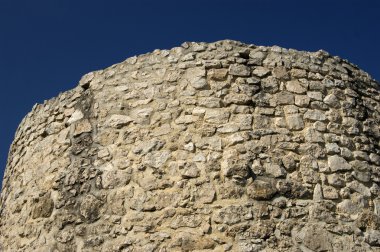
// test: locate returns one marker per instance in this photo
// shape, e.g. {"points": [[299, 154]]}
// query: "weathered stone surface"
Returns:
{"points": [[297, 87], [262, 189], [239, 70], [204, 147], [337, 163], [43, 207]]}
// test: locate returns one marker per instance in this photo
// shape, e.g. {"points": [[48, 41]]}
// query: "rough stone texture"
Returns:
{"points": [[204, 147]]}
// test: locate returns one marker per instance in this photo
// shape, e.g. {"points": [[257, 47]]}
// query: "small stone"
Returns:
{"points": [[294, 122], [244, 121], [239, 70], [188, 57], [289, 162], [295, 86], [270, 84], [86, 80], [335, 180], [257, 57], [313, 136], [317, 194], [298, 73], [302, 100], [332, 148], [239, 99], [104, 153], [216, 116], [157, 159], [320, 126], [372, 237], [261, 190], [190, 171], [337, 163], [228, 215], [209, 102], [196, 77], [314, 115], [348, 207], [314, 95], [43, 208], [76, 116], [114, 178], [280, 73], [186, 119], [274, 170], [228, 128], [285, 98], [199, 157], [345, 153], [332, 101], [198, 111], [235, 139], [362, 176], [330, 192], [261, 71], [231, 166], [81, 127], [90, 208], [118, 121], [374, 158], [360, 188], [361, 155], [189, 147], [218, 74]]}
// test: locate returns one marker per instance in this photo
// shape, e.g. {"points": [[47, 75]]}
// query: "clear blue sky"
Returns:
{"points": [[47, 45]]}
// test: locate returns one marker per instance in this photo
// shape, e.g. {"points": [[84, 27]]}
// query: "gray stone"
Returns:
{"points": [[118, 121], [239, 70], [373, 237], [302, 100], [196, 77], [90, 208], [274, 170], [295, 86], [261, 190], [216, 116], [314, 115], [360, 188], [157, 159], [332, 101], [337, 163], [317, 194], [335, 180], [261, 71], [313, 136], [294, 122], [330, 192], [285, 98], [332, 148], [76, 116]]}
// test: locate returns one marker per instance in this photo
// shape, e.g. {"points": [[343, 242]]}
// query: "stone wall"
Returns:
{"points": [[204, 147]]}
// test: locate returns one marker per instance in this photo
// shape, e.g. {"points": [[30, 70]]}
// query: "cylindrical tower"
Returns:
{"points": [[205, 147]]}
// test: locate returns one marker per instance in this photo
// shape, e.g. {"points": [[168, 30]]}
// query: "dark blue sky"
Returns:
{"points": [[47, 45]]}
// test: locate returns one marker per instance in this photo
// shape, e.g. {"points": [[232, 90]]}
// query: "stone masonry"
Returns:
{"points": [[205, 147]]}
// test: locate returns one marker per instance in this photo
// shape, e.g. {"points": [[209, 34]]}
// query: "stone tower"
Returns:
{"points": [[205, 147]]}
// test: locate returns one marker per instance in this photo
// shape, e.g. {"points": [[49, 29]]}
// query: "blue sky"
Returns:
{"points": [[47, 45]]}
